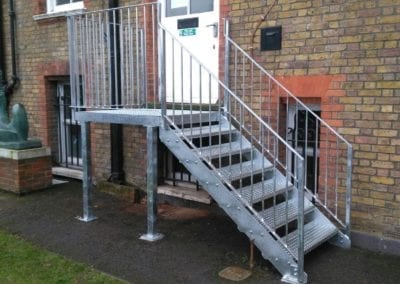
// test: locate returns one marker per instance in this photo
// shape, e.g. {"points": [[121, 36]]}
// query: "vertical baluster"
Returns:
{"points": [[103, 59], [305, 150], [153, 48], [275, 156], [269, 109], [191, 93], [326, 166], [173, 78], [263, 154], [182, 90], [336, 176], [139, 96], [132, 97], [144, 63], [316, 155], [209, 114], [287, 175], [109, 57], [115, 67], [201, 112], [219, 124], [348, 187], [121, 58]]}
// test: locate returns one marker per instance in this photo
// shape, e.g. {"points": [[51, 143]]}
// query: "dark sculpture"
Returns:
{"points": [[14, 132]]}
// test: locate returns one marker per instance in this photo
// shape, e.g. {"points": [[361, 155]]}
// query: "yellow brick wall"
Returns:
{"points": [[361, 40]]}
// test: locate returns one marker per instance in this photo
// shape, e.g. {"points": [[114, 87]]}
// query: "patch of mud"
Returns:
{"points": [[169, 212]]}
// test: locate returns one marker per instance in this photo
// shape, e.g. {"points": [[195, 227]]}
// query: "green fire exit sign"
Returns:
{"points": [[187, 32]]}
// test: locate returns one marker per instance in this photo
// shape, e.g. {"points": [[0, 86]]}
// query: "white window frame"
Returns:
{"points": [[52, 7]]}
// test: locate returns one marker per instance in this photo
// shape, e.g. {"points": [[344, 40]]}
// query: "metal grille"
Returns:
{"points": [[69, 130]]}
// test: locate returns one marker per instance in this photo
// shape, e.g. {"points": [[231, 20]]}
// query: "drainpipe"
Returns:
{"points": [[3, 80], [14, 79], [117, 154]]}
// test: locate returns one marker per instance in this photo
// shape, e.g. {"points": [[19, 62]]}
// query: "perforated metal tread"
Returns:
{"points": [[245, 169], [223, 150], [281, 218], [316, 232], [222, 128], [264, 190]]}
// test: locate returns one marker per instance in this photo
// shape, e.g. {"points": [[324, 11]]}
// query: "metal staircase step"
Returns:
{"points": [[266, 189], [208, 131], [223, 150], [319, 230], [284, 212], [245, 169]]}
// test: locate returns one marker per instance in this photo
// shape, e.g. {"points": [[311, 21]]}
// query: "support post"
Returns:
{"points": [[152, 234], [87, 174]]}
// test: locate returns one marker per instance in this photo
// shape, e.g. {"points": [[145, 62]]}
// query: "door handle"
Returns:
{"points": [[215, 28]]}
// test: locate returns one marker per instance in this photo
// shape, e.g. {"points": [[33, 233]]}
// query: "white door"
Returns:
{"points": [[195, 24]]}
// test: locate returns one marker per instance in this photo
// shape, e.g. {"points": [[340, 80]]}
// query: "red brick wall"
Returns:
{"points": [[42, 59], [21, 176]]}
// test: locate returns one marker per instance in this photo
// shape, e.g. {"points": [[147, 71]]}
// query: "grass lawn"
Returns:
{"points": [[22, 262]]}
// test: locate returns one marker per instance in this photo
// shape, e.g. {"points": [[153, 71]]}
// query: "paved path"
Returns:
{"points": [[194, 250]]}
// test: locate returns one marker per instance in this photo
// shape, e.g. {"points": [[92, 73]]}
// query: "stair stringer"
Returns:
{"points": [[246, 221]]}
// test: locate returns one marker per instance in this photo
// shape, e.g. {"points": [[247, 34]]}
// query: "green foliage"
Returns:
{"points": [[21, 262]]}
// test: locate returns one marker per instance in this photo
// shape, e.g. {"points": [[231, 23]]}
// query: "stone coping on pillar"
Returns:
{"points": [[24, 154]]}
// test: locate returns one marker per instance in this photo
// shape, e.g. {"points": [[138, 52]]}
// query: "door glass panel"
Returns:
{"points": [[202, 6], [62, 2], [176, 8]]}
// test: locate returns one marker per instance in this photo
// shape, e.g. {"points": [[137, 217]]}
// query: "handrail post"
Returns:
{"points": [[226, 65], [348, 188], [300, 219], [161, 69]]}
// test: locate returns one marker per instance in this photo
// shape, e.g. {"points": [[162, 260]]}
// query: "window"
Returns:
{"points": [[180, 7], [54, 6]]}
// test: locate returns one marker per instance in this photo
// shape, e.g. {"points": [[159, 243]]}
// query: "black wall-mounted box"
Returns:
{"points": [[188, 23], [271, 38]]}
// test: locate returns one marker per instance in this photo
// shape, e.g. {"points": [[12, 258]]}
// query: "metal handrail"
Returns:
{"points": [[109, 60], [231, 93], [289, 95], [285, 89], [173, 123]]}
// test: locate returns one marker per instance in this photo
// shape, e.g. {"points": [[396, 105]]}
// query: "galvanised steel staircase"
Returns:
{"points": [[236, 147], [256, 176]]}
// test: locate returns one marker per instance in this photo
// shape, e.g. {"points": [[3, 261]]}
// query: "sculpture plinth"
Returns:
{"points": [[23, 171], [24, 165]]}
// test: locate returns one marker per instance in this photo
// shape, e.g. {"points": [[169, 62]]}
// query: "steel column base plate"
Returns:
{"points": [[86, 219], [151, 237]]}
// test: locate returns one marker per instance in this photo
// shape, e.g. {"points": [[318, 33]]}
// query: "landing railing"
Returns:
{"points": [[199, 113], [327, 155], [113, 57]]}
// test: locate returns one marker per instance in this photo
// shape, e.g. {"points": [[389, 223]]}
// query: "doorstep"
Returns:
{"points": [[186, 193], [66, 172]]}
